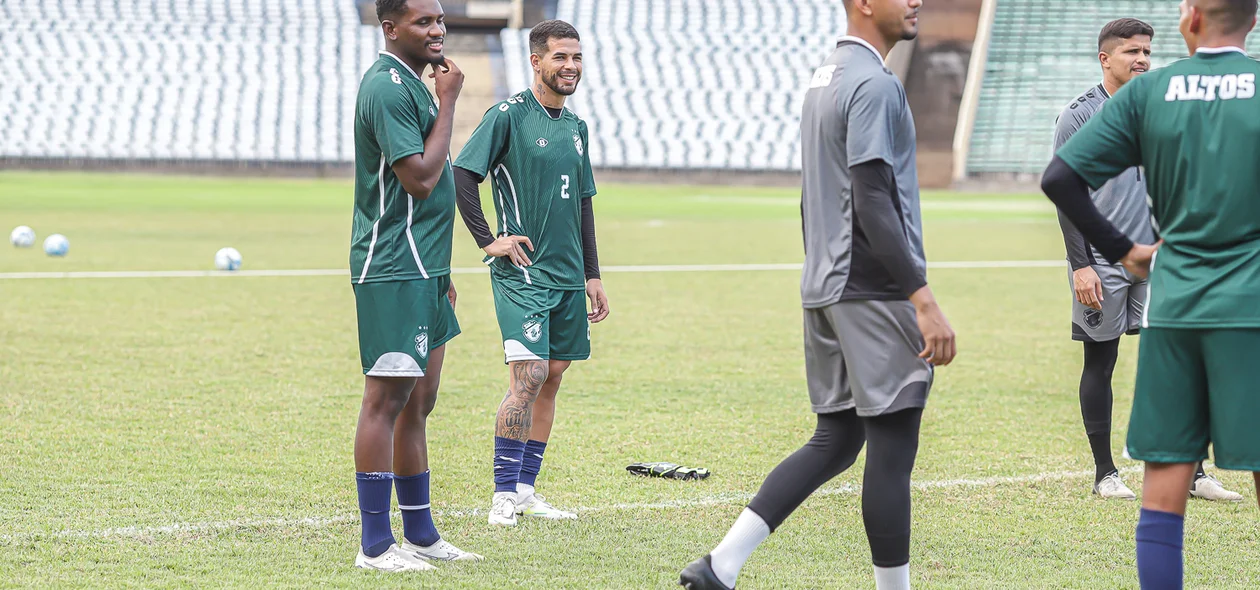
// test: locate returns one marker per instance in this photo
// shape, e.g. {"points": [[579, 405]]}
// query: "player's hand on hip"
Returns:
{"points": [[1138, 260], [448, 80], [939, 345], [599, 301], [1088, 287], [511, 247], [452, 295]]}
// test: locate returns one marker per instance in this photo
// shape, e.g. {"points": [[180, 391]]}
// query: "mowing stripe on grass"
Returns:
{"points": [[331, 272], [713, 500]]}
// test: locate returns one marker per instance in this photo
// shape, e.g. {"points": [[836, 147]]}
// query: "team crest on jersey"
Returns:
{"points": [[542, 142], [432, 113], [532, 330], [422, 343], [577, 142]]}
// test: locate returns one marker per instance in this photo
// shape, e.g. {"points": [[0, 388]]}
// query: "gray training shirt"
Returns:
{"points": [[855, 112], [1123, 200]]}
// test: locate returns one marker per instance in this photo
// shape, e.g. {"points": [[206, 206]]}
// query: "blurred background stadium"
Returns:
{"points": [[701, 89]]}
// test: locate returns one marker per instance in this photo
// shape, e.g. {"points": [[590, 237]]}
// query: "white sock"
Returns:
{"points": [[729, 556], [892, 578], [523, 491]]}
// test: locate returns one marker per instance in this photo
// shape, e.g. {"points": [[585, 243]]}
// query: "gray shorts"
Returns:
{"points": [[1124, 299], [865, 355]]}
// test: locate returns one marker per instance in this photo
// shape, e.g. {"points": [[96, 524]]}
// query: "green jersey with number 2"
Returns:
{"points": [[539, 167]]}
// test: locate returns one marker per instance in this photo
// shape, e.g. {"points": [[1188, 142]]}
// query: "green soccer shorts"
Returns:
{"points": [[539, 323], [1196, 387], [400, 322]]}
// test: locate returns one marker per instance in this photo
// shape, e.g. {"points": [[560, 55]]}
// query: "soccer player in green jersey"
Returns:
{"points": [[1194, 126], [536, 153], [400, 264]]}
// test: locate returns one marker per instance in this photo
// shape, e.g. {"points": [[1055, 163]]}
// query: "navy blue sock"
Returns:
{"points": [[374, 491], [1159, 539], [531, 464], [507, 463], [413, 500]]}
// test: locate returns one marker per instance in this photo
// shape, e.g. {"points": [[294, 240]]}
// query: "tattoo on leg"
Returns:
{"points": [[516, 411]]}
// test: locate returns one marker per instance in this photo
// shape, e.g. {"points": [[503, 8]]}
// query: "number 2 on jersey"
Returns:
{"points": [[564, 190]]}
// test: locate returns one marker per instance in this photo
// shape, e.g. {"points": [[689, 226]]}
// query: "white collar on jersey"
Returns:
{"points": [[1226, 49], [401, 62], [863, 42], [1103, 86]]}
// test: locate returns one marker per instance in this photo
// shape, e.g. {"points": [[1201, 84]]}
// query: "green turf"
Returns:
{"points": [[230, 404]]}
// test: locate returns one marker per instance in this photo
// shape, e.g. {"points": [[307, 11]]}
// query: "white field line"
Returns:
{"points": [[329, 272], [712, 500]]}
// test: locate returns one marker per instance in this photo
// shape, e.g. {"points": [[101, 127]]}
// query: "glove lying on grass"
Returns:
{"points": [[668, 471]]}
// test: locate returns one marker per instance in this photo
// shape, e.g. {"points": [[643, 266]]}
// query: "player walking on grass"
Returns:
{"points": [[1194, 126], [400, 260], [1109, 300], [536, 153], [873, 330]]}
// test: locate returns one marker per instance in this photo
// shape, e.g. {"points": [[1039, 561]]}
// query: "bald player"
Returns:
{"points": [[1194, 128]]}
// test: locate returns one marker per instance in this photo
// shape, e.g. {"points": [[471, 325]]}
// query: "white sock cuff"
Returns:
{"points": [[892, 578]]}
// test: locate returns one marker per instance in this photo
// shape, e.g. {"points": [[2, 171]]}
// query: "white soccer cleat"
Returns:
{"points": [[1112, 488], [1210, 488], [440, 551], [393, 559], [503, 509], [537, 507]]}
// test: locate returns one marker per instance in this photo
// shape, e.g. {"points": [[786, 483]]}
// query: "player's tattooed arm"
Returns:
{"points": [[516, 412]]}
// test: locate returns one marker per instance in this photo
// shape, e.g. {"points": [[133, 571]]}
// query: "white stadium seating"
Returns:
{"points": [[692, 84], [244, 80]]}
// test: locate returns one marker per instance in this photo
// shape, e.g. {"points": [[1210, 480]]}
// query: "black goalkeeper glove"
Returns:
{"points": [[668, 471]]}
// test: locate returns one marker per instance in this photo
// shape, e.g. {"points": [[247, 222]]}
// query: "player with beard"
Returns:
{"points": [[400, 260], [541, 259], [1109, 299], [873, 330]]}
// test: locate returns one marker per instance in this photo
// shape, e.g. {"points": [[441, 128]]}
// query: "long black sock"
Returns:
{"points": [[1199, 472], [892, 444], [1100, 364], [835, 445]]}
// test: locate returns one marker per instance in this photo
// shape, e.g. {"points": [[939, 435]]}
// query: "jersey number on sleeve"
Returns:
{"points": [[564, 190]]}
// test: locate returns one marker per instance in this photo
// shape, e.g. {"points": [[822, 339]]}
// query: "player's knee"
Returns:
{"points": [[384, 404]]}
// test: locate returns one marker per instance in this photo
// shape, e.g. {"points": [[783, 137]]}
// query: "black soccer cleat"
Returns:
{"points": [[698, 575]]}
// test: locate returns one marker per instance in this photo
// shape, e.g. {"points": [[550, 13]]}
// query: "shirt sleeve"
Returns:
{"points": [[587, 188], [489, 142], [1068, 123], [1078, 252], [396, 120], [873, 112], [1109, 143]]}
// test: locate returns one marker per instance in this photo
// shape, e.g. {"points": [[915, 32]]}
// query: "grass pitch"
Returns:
{"points": [[174, 432]]}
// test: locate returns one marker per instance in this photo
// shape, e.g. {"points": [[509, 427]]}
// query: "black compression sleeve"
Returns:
{"points": [[875, 206], [1070, 193], [468, 197], [590, 255], [1078, 253]]}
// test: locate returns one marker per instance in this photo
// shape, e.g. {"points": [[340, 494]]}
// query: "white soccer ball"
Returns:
{"points": [[22, 237], [56, 245], [227, 259]]}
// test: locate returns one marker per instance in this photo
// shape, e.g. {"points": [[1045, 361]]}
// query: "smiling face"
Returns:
{"points": [[1128, 59], [560, 67], [418, 31]]}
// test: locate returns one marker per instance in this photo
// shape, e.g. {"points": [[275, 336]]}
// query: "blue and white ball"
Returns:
{"points": [[227, 259], [22, 237], [56, 245]]}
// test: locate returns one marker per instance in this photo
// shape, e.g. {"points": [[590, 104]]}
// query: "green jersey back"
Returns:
{"points": [[1195, 126], [539, 169], [395, 236]]}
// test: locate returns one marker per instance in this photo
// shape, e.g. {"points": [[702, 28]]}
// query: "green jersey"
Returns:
{"points": [[1195, 127], [539, 169], [396, 237]]}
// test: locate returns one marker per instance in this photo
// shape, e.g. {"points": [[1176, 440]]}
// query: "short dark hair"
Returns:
{"points": [[1232, 16], [390, 9], [1123, 28], [547, 30]]}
